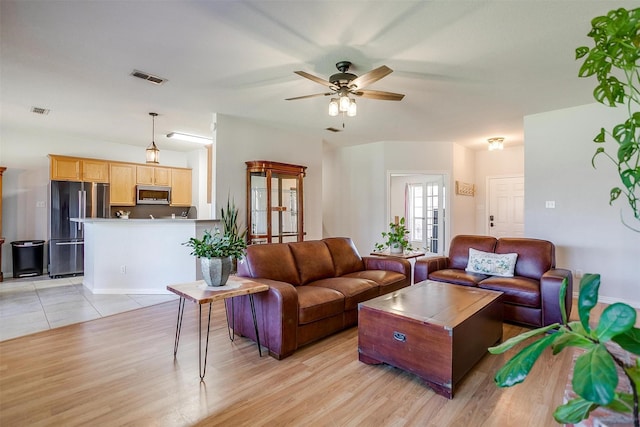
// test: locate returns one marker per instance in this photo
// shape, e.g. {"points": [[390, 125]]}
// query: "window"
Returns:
{"points": [[425, 214]]}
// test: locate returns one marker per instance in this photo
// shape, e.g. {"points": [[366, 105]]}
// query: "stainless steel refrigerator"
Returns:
{"points": [[71, 199]]}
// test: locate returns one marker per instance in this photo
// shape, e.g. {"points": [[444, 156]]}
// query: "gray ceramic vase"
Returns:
{"points": [[215, 271]]}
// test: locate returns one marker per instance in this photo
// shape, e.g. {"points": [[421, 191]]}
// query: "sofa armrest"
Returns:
{"points": [[277, 315], [399, 265], [428, 264], [550, 294]]}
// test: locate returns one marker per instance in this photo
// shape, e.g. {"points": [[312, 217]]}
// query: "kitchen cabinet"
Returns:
{"points": [[151, 175], [95, 170], [122, 185], [275, 202], [180, 187], [64, 168]]}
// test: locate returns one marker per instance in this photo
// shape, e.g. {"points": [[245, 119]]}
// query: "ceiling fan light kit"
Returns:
{"points": [[344, 84]]}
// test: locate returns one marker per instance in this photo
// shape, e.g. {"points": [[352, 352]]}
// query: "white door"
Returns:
{"points": [[506, 207]]}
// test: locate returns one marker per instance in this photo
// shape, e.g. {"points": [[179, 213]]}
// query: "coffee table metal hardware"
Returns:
{"points": [[200, 294]]}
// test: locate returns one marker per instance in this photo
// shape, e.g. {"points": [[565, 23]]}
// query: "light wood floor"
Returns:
{"points": [[120, 370]]}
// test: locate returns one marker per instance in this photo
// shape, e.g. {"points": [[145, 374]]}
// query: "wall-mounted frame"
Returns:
{"points": [[465, 189]]}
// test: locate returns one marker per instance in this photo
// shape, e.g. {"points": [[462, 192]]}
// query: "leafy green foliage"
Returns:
{"points": [[613, 61], [397, 234], [595, 376], [216, 246]]}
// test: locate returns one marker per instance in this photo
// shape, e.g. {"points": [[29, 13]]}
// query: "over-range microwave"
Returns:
{"points": [[153, 195]]}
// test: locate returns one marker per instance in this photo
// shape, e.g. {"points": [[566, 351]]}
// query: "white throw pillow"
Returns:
{"points": [[491, 264]]}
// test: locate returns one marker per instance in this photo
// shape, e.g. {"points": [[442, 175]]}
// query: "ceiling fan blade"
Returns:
{"points": [[370, 77], [316, 79], [378, 94], [309, 96]]}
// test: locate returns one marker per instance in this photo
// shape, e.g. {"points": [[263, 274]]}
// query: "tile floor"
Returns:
{"points": [[35, 304]]}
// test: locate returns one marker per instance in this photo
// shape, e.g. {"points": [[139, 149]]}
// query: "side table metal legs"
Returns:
{"points": [[233, 322], [202, 365]]}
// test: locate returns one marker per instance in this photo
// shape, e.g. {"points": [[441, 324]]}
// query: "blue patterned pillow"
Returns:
{"points": [[491, 264]]}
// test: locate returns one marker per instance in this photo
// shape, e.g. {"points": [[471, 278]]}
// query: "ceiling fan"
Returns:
{"points": [[344, 83]]}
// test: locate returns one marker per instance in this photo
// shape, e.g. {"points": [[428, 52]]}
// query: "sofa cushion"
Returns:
{"points": [[316, 303], [535, 256], [491, 264], [458, 277], [354, 290], [459, 249], [346, 258], [381, 277], [517, 290], [271, 261], [313, 260]]}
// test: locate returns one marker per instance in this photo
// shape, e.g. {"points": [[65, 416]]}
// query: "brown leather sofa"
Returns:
{"points": [[314, 290], [531, 296]]}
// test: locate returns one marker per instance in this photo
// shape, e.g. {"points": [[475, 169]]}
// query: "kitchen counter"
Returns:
{"points": [[140, 256]]}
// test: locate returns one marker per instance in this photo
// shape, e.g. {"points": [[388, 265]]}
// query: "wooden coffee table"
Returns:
{"points": [[435, 330]]}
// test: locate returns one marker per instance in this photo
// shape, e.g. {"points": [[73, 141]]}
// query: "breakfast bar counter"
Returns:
{"points": [[139, 256]]}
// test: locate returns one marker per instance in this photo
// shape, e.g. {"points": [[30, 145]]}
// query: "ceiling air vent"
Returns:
{"points": [[40, 110], [333, 130], [148, 77]]}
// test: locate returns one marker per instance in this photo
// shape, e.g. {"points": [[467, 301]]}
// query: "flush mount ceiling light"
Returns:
{"points": [[153, 154], [495, 143], [190, 138]]}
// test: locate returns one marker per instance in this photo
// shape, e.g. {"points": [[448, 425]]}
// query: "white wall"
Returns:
{"points": [[509, 161], [357, 185], [25, 182], [240, 140], [463, 210], [586, 230]]}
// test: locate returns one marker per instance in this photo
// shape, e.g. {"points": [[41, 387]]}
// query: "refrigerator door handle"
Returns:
{"points": [[68, 243], [80, 208]]}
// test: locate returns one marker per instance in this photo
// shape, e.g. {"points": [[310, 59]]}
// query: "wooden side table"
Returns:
{"points": [[408, 255], [199, 293]]}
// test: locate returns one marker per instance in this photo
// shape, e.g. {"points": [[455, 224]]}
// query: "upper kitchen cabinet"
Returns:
{"points": [[274, 202], [122, 186], [95, 170], [64, 168], [151, 175], [180, 187]]}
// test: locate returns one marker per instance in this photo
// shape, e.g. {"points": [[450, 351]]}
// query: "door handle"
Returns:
{"points": [[69, 243]]}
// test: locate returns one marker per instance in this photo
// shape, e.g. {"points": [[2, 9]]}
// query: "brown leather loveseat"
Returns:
{"points": [[314, 290], [531, 296]]}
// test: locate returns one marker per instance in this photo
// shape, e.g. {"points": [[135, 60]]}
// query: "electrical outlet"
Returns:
{"points": [[123, 269], [579, 274], [40, 204], [550, 204]]}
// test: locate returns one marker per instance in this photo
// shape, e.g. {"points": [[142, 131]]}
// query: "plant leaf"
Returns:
{"points": [[513, 341], [622, 403], [594, 376], [615, 319], [561, 298], [570, 339], [629, 340], [573, 411], [588, 298], [517, 369]]}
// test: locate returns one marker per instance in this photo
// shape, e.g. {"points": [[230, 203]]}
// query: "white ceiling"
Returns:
{"points": [[470, 69]]}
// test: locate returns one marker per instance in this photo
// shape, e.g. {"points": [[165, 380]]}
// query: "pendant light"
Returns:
{"points": [[153, 154]]}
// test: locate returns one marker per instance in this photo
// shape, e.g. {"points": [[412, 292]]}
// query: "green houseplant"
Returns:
{"points": [[396, 238], [216, 252], [595, 378], [613, 60]]}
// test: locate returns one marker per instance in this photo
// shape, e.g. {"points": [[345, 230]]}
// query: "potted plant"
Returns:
{"points": [[614, 62], [216, 252], [595, 377], [395, 239]]}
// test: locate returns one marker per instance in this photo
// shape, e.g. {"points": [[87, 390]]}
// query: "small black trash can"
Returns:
{"points": [[28, 257]]}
